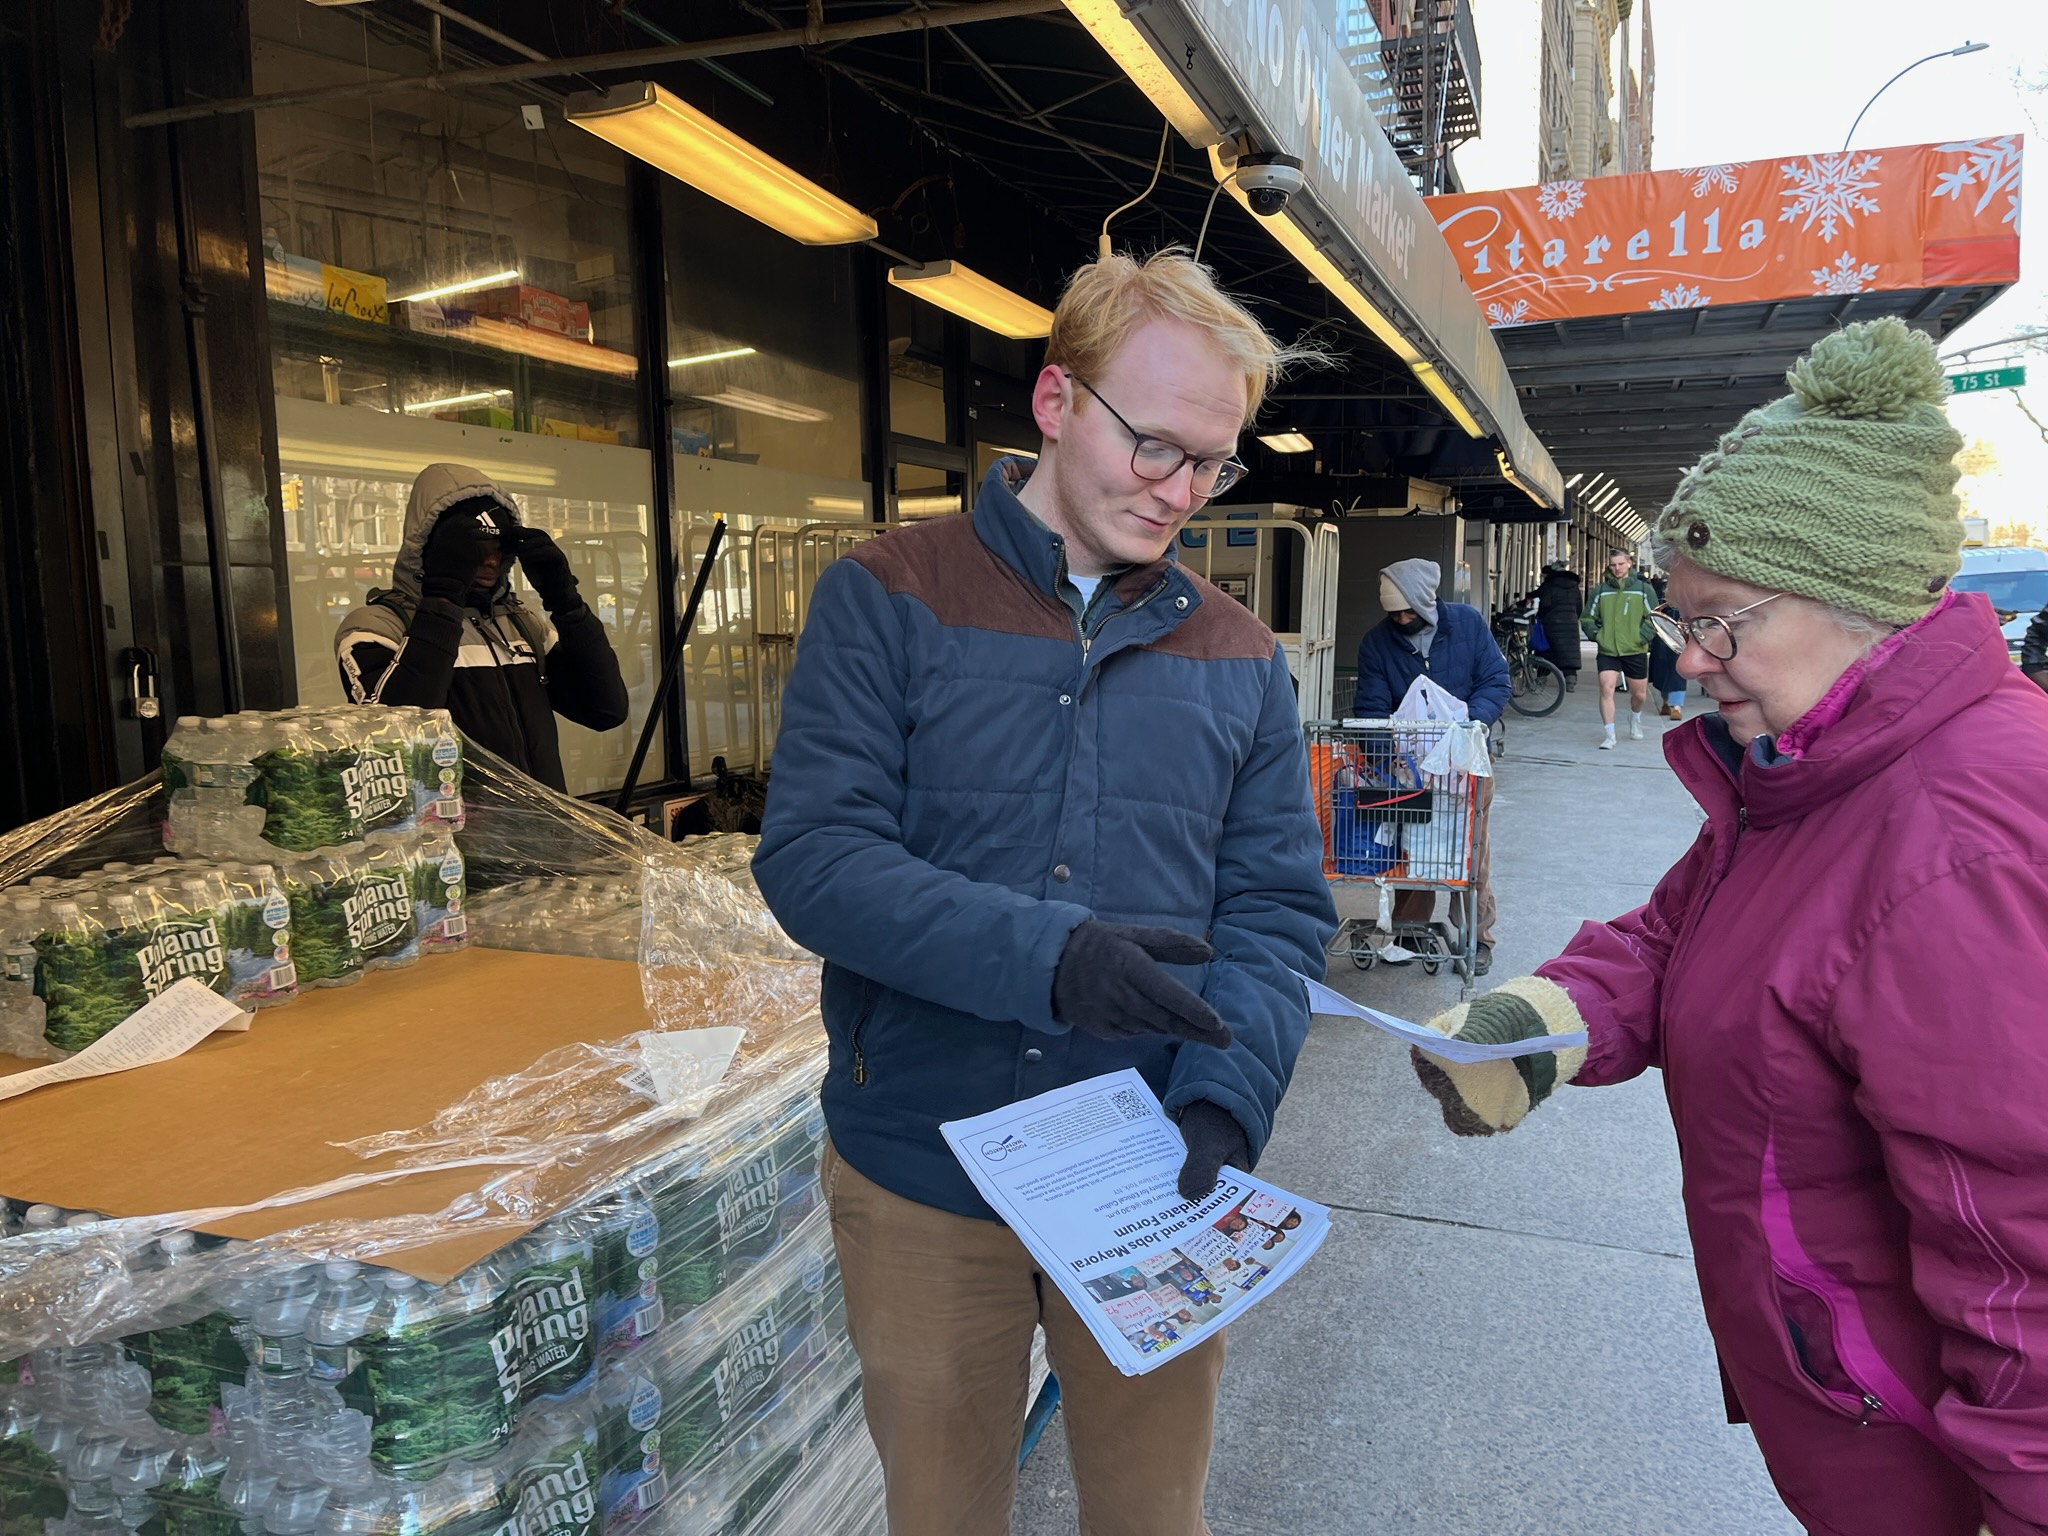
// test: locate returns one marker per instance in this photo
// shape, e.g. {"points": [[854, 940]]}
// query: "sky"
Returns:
{"points": [[1756, 79]]}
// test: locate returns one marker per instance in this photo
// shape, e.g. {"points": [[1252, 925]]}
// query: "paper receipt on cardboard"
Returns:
{"points": [[177, 1019]]}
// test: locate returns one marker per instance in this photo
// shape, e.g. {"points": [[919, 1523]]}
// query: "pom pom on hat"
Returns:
{"points": [[1868, 372]]}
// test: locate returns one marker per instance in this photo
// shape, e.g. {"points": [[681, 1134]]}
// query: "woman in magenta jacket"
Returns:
{"points": [[1845, 981]]}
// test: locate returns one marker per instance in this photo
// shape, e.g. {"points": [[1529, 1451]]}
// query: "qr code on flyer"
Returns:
{"points": [[1131, 1104]]}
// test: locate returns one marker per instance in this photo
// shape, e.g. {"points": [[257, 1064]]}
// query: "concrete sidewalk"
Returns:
{"points": [[1501, 1335]]}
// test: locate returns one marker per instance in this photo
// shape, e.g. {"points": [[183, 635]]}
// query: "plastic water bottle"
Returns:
{"points": [[551, 1308], [324, 950], [279, 1319], [382, 921], [340, 1316], [437, 770], [558, 1469], [440, 890], [257, 918], [86, 971]]}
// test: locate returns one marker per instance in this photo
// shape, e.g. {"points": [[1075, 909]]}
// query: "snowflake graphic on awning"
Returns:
{"points": [[1992, 165], [1560, 199], [1508, 314], [1843, 275], [1714, 178], [1829, 190], [1681, 297]]}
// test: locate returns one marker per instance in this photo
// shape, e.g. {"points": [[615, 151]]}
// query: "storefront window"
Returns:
{"points": [[763, 367], [447, 282]]}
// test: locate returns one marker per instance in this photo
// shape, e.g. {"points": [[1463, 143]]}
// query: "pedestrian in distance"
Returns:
{"points": [[450, 633], [1041, 801], [1665, 677], [1842, 980], [1424, 635], [1617, 621], [1560, 606]]}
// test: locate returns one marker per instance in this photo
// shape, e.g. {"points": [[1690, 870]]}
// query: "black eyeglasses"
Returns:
{"points": [[1154, 458], [1712, 633]]}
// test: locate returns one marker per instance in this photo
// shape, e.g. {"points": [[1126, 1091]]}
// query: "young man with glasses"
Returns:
{"points": [[1041, 802]]}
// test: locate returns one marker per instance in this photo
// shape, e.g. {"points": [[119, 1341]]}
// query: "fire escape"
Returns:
{"points": [[1427, 88]]}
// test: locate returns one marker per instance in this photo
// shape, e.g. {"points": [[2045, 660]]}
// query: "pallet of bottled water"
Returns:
{"points": [[669, 1357]]}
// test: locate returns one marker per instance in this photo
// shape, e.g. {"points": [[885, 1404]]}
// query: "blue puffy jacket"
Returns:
{"points": [[1462, 659], [961, 779]]}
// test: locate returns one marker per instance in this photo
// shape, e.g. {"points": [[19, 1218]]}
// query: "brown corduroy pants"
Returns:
{"points": [[941, 1309]]}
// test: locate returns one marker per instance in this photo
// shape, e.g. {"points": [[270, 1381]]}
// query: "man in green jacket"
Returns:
{"points": [[1617, 621]]}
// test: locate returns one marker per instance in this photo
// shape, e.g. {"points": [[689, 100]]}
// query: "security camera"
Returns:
{"points": [[1268, 181]]}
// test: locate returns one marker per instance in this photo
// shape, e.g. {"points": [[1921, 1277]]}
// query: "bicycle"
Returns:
{"points": [[1535, 684]]}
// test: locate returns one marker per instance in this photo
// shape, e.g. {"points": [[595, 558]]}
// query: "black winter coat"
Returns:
{"points": [[1559, 601], [502, 673]]}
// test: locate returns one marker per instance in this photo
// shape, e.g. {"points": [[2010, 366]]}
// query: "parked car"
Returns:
{"points": [[2016, 581]]}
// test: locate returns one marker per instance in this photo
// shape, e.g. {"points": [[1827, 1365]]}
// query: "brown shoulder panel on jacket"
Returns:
{"points": [[945, 566], [1220, 629]]}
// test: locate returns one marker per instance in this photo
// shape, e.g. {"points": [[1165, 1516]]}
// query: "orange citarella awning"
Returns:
{"points": [[1863, 221]]}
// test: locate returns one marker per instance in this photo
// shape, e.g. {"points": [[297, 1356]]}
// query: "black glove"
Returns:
{"points": [[547, 568], [455, 549], [1214, 1138], [1111, 983]]}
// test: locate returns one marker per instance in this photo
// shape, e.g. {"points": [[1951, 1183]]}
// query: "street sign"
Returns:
{"points": [[1987, 378]]}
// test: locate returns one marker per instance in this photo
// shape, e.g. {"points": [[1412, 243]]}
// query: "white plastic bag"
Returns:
{"points": [[1427, 699], [1460, 750]]}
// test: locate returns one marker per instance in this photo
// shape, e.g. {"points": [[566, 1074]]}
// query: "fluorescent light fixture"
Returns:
{"points": [[834, 504], [311, 455], [1440, 389], [467, 285], [510, 336], [661, 128], [1286, 442], [927, 506], [1161, 83], [971, 296], [1302, 246], [475, 397], [710, 357], [766, 405], [1575, 479]]}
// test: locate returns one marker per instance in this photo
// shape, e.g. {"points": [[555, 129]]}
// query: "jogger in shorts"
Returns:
{"points": [[1617, 621]]}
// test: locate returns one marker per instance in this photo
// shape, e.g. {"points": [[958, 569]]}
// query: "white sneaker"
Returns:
{"points": [[1635, 727], [1607, 742]]}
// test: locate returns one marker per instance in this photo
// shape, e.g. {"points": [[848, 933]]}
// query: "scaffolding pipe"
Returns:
{"points": [[629, 59]]}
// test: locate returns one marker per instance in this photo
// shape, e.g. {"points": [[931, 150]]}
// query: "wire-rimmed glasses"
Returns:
{"points": [[1154, 458], [1712, 633]]}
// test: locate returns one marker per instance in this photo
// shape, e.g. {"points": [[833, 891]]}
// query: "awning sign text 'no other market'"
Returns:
{"points": [[1929, 215]]}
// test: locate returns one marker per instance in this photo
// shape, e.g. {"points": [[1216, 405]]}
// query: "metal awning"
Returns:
{"points": [[1640, 397], [1274, 73]]}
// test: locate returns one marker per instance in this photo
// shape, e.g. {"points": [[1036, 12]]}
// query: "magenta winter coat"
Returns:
{"points": [[1846, 984]]}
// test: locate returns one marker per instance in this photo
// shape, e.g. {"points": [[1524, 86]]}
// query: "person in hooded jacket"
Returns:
{"points": [[1559, 600], [1842, 980], [1450, 642], [449, 633]]}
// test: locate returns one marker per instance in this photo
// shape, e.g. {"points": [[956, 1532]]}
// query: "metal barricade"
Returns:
{"points": [[1396, 816], [1311, 649]]}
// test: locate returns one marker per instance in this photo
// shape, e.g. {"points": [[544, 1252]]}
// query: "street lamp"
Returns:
{"points": [[1946, 53]]}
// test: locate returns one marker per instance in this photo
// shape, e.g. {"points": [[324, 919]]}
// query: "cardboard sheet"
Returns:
{"points": [[243, 1117]]}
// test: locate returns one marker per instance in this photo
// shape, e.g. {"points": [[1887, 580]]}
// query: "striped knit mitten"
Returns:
{"points": [[1483, 1097]]}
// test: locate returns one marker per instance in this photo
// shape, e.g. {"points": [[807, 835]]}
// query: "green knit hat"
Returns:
{"points": [[1844, 490]]}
